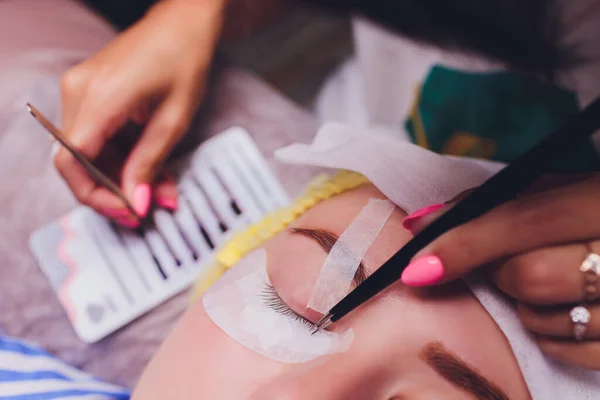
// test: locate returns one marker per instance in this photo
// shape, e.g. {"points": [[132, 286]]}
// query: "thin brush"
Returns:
{"points": [[100, 178], [500, 188]]}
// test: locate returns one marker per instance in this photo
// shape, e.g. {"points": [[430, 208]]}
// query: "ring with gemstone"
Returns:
{"points": [[591, 274], [580, 317]]}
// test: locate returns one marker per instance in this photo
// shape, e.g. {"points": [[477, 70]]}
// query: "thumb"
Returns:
{"points": [[165, 128]]}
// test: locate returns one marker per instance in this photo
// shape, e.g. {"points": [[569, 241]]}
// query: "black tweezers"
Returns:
{"points": [[500, 188]]}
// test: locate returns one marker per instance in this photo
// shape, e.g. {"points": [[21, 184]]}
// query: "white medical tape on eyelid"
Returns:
{"points": [[335, 278], [236, 304]]}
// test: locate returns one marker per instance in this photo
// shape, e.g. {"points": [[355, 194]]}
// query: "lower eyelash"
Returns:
{"points": [[272, 300]]}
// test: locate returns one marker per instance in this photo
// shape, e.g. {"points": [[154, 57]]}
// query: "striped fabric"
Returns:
{"points": [[30, 373]]}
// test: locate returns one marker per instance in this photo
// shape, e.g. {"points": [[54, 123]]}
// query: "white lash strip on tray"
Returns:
{"points": [[105, 276]]}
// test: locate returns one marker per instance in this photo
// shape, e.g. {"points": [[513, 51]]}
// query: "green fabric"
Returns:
{"points": [[496, 115]]}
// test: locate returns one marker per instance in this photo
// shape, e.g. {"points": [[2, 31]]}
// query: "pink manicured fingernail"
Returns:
{"points": [[141, 199], [423, 271], [128, 222], [167, 202], [410, 220], [115, 212]]}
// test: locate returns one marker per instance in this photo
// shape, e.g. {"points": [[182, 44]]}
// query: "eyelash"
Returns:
{"points": [[272, 300]]}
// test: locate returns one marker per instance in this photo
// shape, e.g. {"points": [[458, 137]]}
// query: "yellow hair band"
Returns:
{"points": [[320, 188]]}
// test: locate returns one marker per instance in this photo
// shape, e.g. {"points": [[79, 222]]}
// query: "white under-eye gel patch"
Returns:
{"points": [[236, 304], [335, 278]]}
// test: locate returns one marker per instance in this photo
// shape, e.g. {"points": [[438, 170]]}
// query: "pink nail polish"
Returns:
{"points": [[424, 271], [410, 220], [141, 199], [167, 202], [115, 212], [128, 222]]}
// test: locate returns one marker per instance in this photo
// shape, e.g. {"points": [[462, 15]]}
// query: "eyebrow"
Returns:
{"points": [[326, 240], [459, 373]]}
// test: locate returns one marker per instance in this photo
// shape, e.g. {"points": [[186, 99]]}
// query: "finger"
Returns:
{"points": [[556, 321], [104, 108], [130, 222], [116, 213], [92, 129], [73, 84], [141, 114], [546, 276], [582, 354], [164, 192], [84, 187], [162, 133], [95, 122], [563, 215], [418, 220], [549, 182]]}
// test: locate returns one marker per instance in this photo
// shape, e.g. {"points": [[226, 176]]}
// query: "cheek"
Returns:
{"points": [[209, 364]]}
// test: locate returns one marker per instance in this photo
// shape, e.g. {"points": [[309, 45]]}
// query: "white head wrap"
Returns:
{"points": [[413, 177]]}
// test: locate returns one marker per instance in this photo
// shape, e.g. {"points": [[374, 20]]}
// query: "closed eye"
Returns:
{"points": [[272, 300]]}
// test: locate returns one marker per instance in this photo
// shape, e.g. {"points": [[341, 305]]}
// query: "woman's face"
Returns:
{"points": [[408, 344]]}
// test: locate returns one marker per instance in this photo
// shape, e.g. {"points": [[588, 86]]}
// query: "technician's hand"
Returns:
{"points": [[540, 249], [152, 74]]}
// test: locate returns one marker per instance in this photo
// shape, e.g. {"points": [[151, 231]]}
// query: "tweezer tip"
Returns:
{"points": [[30, 109], [322, 323]]}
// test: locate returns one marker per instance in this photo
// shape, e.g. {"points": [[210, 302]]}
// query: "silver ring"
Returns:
{"points": [[580, 317], [591, 272]]}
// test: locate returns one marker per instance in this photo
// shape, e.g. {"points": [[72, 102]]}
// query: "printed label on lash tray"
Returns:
{"points": [[106, 276]]}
